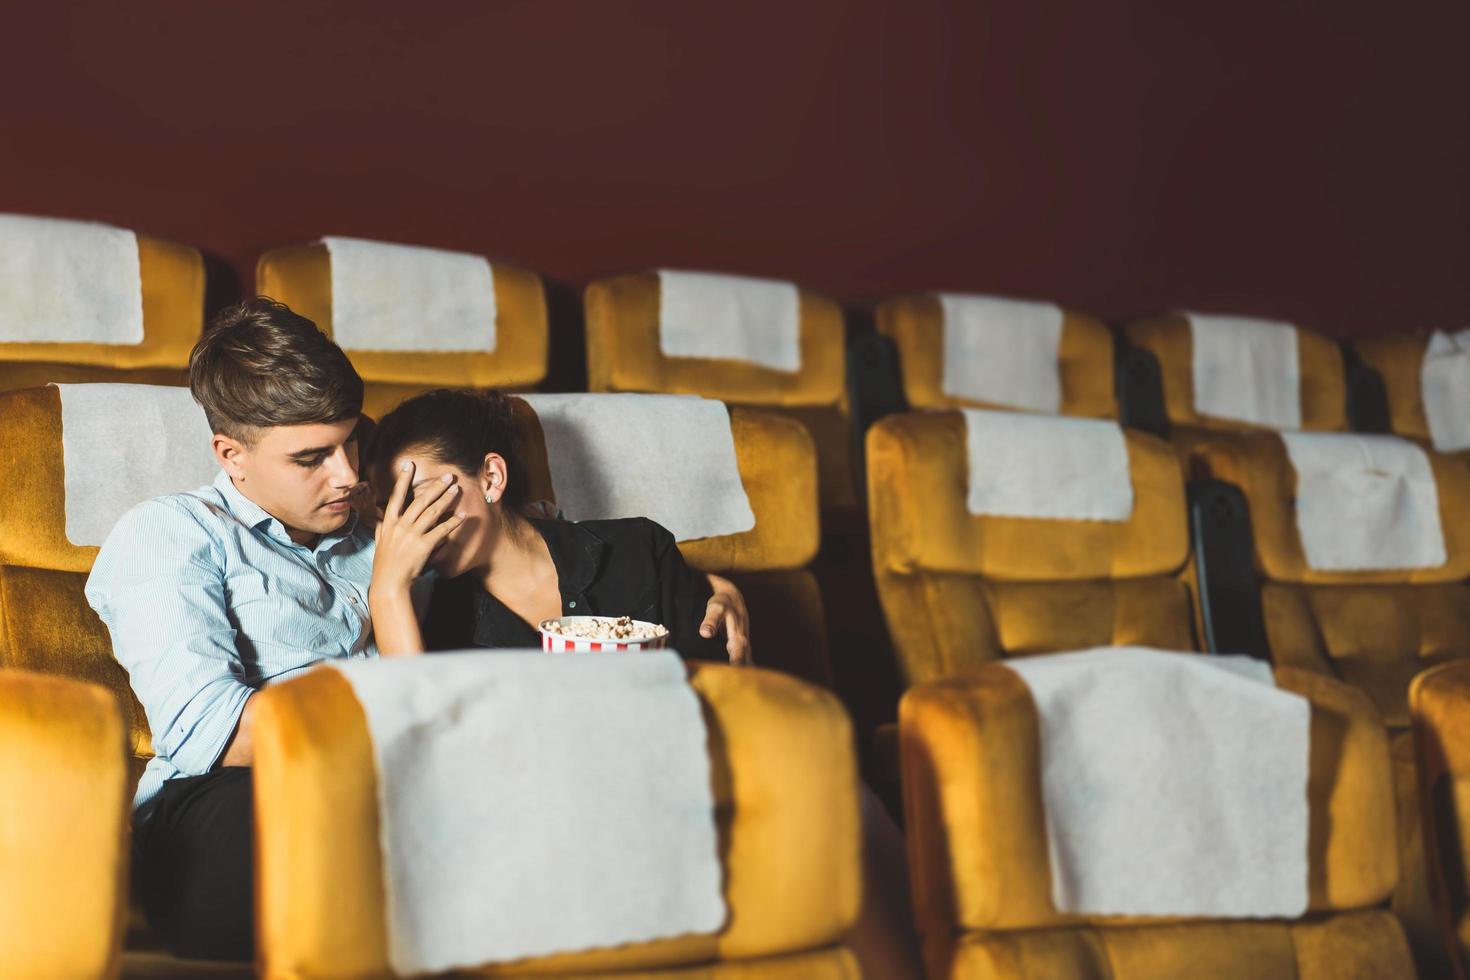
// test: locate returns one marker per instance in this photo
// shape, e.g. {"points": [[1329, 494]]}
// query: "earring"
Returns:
{"points": [[489, 498]]}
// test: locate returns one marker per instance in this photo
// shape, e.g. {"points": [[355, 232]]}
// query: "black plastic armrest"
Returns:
{"points": [[1230, 592]]}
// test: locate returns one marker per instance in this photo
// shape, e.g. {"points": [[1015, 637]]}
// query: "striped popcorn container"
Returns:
{"points": [[599, 634]]}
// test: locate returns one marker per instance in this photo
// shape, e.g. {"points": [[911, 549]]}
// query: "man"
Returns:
{"points": [[212, 594]]}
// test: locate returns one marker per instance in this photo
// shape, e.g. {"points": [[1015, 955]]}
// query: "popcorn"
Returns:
{"points": [[604, 628]]}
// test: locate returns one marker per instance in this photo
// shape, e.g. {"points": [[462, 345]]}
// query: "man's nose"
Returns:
{"points": [[342, 471]]}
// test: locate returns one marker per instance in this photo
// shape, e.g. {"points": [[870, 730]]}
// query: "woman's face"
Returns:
{"points": [[466, 546]]}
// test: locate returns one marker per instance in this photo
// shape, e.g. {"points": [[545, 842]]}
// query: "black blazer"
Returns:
{"points": [[627, 567]]}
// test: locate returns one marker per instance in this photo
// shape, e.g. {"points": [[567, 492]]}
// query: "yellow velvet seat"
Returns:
{"points": [[915, 324], [1398, 360], [301, 277], [982, 878], [1169, 340], [1440, 702], [1374, 629], [623, 354], [769, 563], [785, 787], [960, 590], [63, 827], [47, 627], [173, 318]]}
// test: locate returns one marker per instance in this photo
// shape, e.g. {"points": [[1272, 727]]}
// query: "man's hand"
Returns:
{"points": [[240, 749], [727, 607]]}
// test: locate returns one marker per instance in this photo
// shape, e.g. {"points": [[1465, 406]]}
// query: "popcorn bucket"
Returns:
{"points": [[596, 634]]}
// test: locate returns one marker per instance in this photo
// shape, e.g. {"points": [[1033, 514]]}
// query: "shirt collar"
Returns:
{"points": [[252, 515], [575, 551]]}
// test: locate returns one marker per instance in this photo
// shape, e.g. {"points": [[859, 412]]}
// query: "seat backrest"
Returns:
{"points": [[960, 589], [171, 278], [982, 875], [1323, 386], [776, 461], [624, 353], [63, 855], [1398, 360], [1084, 358], [46, 623], [1375, 628], [1440, 700], [301, 277], [785, 786]]}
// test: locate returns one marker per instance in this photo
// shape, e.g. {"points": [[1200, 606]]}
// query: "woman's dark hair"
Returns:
{"points": [[457, 427]]}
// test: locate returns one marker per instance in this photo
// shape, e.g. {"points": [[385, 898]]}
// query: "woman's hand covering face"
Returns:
{"points": [[408, 535]]}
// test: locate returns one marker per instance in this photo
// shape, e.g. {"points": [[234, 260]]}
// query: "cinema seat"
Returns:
{"points": [[1440, 702], [1374, 629], [982, 879], [63, 856], [1323, 389], [623, 354], [786, 798], [48, 630], [769, 563], [915, 324], [1398, 362], [172, 278], [960, 590], [301, 277]]}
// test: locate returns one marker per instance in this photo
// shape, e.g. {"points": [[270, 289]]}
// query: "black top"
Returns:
{"points": [[628, 567]]}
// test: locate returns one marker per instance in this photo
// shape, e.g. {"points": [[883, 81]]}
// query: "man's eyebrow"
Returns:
{"points": [[314, 451]]}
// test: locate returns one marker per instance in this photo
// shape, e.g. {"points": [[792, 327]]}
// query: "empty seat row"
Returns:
{"points": [[414, 318], [999, 535]]}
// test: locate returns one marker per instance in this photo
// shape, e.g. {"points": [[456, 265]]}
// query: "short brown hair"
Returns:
{"points": [[259, 364]]}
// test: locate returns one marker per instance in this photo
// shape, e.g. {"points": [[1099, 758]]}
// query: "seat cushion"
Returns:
{"points": [[947, 625], [1375, 637], [1352, 946], [47, 626]]}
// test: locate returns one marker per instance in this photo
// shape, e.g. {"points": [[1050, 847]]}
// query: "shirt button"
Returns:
{"points": [[572, 604]]}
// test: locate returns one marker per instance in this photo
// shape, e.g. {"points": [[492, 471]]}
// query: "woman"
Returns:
{"points": [[446, 469]]}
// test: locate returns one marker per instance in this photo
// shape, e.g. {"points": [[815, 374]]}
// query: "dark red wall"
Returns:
{"points": [[1303, 160]]}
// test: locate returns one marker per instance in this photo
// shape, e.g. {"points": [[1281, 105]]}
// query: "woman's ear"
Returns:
{"points": [[493, 477]]}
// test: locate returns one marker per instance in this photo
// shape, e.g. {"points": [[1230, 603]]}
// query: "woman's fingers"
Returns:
{"points": [[446, 498], [714, 613], [443, 529], [737, 641], [425, 494], [401, 483]]}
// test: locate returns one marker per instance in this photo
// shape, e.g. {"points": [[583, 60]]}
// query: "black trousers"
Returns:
{"points": [[193, 865]]}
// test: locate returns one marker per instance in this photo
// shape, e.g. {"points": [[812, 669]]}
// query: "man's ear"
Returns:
{"points": [[230, 454]]}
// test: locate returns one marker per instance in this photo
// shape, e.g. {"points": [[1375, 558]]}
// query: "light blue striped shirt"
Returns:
{"points": [[208, 600]]}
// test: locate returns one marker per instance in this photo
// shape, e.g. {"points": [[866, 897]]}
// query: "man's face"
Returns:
{"points": [[302, 475]]}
